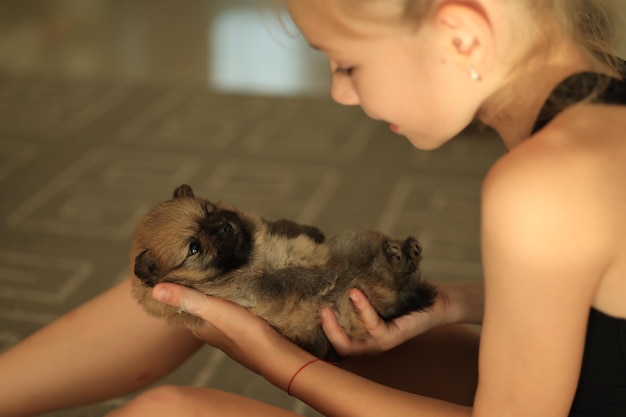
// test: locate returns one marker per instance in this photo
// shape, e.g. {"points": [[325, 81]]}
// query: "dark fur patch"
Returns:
{"points": [[146, 268], [291, 229], [232, 238]]}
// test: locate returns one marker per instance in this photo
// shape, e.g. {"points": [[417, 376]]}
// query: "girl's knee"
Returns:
{"points": [[163, 401]]}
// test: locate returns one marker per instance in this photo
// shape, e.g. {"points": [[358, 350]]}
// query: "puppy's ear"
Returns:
{"points": [[146, 268], [183, 191]]}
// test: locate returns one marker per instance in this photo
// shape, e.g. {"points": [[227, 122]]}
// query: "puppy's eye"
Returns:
{"points": [[225, 228], [194, 248]]}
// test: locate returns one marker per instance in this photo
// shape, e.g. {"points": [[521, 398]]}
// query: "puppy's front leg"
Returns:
{"points": [[291, 229]]}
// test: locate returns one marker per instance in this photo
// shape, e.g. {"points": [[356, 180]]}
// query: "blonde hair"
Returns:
{"points": [[592, 24]]}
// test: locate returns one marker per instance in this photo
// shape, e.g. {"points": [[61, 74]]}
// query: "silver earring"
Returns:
{"points": [[475, 75]]}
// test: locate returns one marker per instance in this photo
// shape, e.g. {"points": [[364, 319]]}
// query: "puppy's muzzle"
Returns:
{"points": [[148, 282], [146, 269]]}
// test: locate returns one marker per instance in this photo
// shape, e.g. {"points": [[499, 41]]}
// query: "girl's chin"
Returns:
{"points": [[424, 143]]}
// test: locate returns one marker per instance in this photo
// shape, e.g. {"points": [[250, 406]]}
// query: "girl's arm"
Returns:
{"points": [[331, 390], [105, 348], [547, 238]]}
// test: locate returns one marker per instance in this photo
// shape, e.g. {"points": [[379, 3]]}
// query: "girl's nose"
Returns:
{"points": [[342, 90]]}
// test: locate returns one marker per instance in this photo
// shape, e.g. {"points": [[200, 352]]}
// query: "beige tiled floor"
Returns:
{"points": [[106, 106]]}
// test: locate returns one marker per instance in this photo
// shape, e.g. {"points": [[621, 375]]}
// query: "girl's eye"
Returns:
{"points": [[194, 248], [344, 70]]}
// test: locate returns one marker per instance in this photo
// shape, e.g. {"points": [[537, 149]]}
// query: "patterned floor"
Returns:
{"points": [[80, 161]]}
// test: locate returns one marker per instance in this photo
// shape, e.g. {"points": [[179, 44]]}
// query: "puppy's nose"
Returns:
{"points": [[144, 276], [146, 269], [147, 281]]}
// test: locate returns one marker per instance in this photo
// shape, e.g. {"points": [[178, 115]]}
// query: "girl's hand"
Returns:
{"points": [[383, 335], [227, 326]]}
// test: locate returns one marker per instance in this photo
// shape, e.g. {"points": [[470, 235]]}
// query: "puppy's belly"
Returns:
{"points": [[298, 321], [286, 252], [292, 314]]}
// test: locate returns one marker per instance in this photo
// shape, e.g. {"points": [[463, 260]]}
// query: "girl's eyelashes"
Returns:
{"points": [[344, 70]]}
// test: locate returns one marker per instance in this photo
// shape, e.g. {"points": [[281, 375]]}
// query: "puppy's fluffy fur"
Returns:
{"points": [[281, 271]]}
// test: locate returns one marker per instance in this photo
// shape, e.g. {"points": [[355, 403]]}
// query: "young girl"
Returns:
{"points": [[553, 340]]}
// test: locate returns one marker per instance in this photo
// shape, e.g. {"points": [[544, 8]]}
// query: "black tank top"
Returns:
{"points": [[601, 388]]}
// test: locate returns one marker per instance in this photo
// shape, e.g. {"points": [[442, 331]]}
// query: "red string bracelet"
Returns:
{"points": [[304, 366], [298, 371]]}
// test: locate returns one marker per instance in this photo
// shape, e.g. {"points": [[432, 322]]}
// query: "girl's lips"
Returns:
{"points": [[393, 128]]}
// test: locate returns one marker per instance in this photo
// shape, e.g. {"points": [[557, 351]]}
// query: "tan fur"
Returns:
{"points": [[281, 271]]}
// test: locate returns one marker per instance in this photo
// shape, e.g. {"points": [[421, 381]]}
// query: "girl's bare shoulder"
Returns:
{"points": [[561, 194], [583, 150], [565, 183]]}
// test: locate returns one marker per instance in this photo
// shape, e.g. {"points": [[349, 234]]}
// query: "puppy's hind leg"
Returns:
{"points": [[408, 290], [403, 256]]}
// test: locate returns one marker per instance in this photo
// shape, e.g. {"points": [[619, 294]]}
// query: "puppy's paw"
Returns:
{"points": [[413, 253], [393, 252]]}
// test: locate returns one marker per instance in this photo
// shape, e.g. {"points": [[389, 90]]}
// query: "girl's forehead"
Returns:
{"points": [[310, 14], [320, 20], [358, 10]]}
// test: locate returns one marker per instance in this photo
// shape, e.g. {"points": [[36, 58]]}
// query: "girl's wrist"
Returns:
{"points": [[460, 302], [279, 359]]}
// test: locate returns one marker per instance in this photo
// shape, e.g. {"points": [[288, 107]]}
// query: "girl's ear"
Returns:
{"points": [[467, 34]]}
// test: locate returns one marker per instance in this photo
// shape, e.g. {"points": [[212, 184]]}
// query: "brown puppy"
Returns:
{"points": [[281, 271]]}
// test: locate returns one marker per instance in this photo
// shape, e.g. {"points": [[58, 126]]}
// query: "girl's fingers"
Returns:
{"points": [[344, 344], [186, 299], [219, 312], [371, 319], [214, 310], [335, 333]]}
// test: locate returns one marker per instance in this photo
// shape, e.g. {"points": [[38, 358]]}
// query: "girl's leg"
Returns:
{"points": [[196, 402], [105, 348], [442, 363]]}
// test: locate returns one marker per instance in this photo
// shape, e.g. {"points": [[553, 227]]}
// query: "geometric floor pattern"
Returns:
{"points": [[81, 161]]}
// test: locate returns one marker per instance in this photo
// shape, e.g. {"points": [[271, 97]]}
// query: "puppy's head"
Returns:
{"points": [[190, 241]]}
